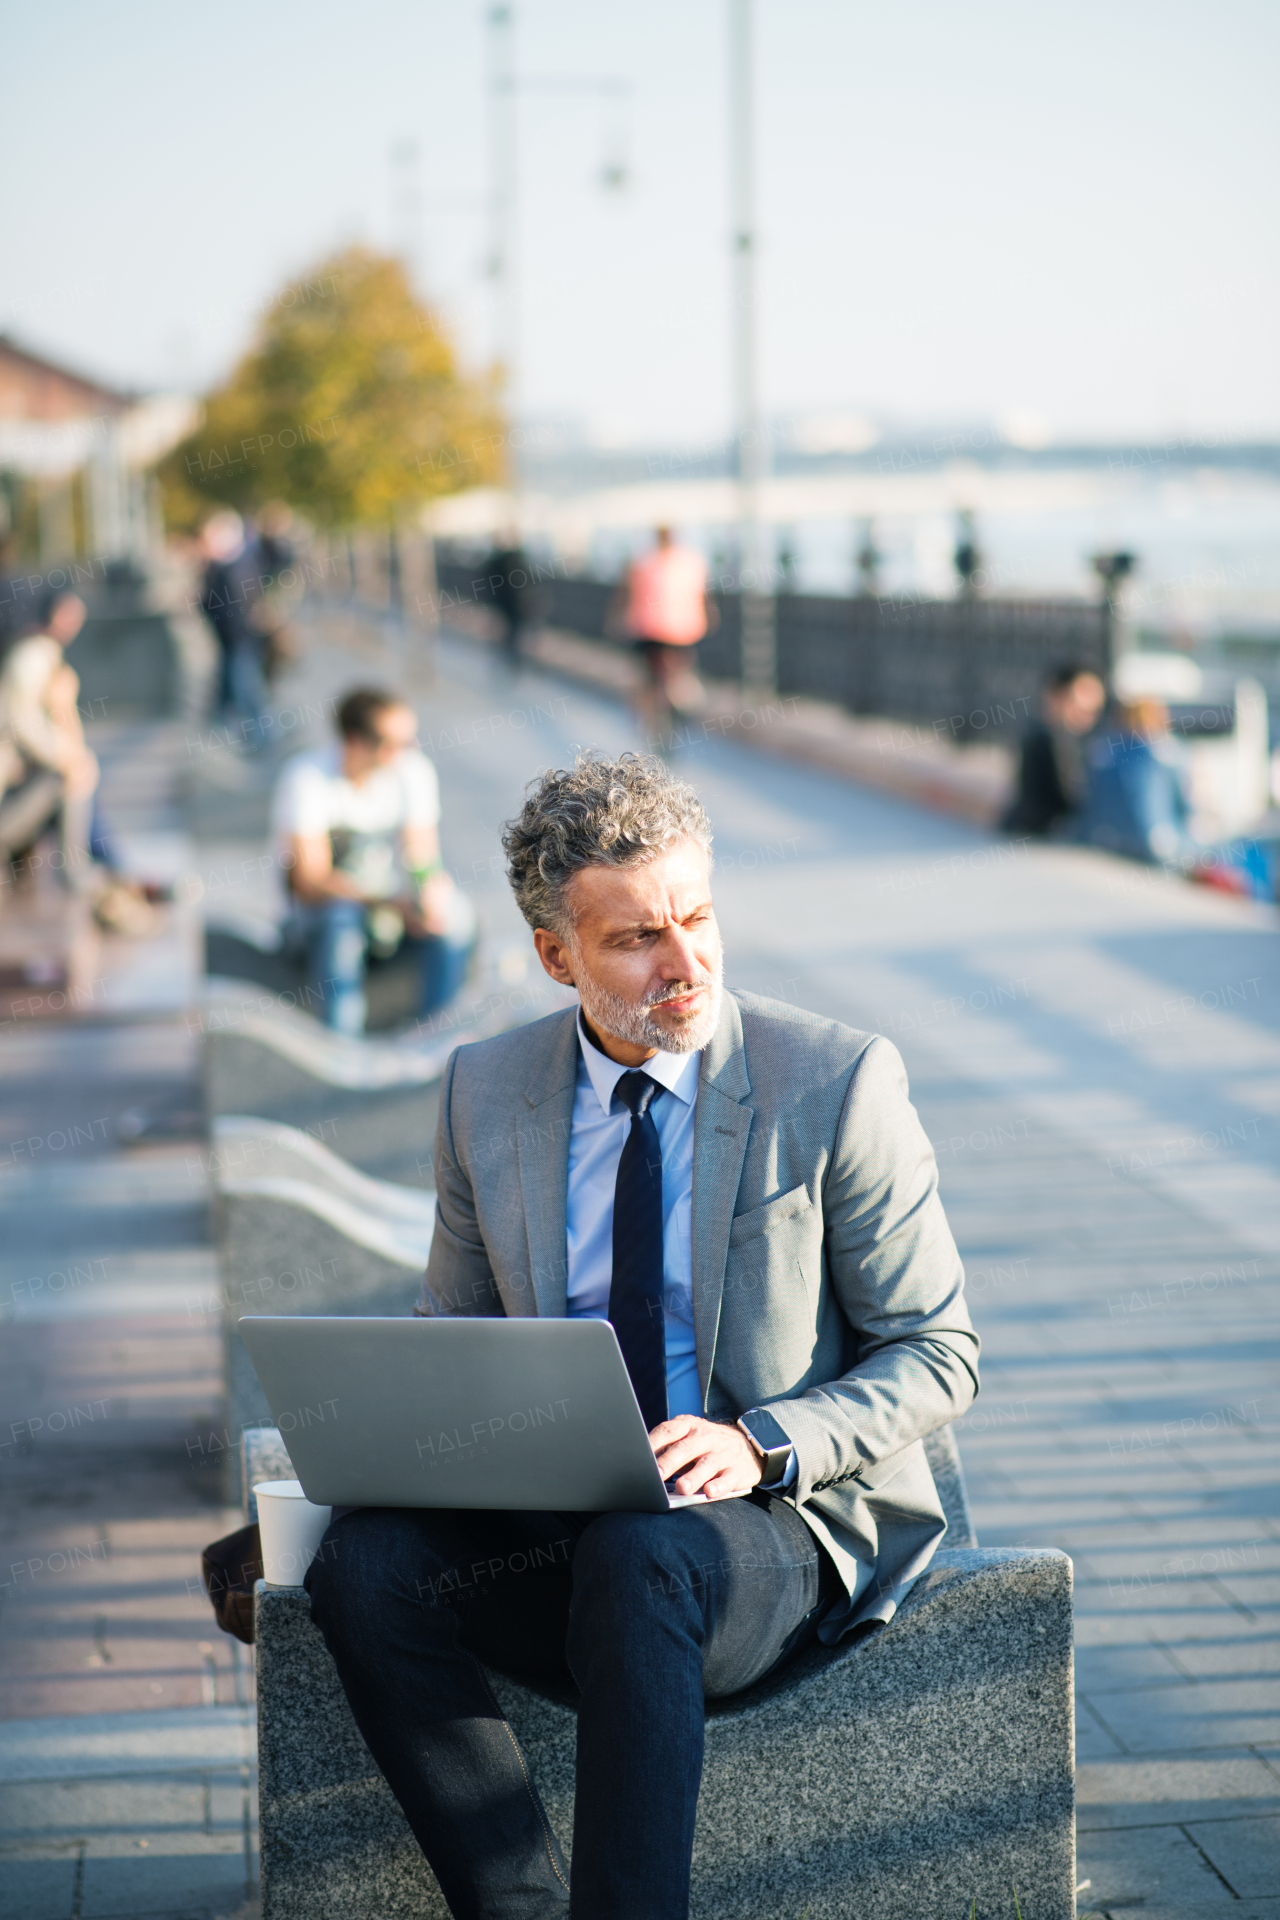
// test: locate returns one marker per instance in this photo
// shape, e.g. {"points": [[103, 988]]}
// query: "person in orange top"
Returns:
{"points": [[665, 610]]}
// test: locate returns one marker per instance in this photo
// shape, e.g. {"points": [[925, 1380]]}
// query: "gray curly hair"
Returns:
{"points": [[603, 813]]}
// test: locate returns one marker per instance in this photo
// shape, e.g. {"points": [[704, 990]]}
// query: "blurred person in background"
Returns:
{"points": [[508, 582], [229, 593], [663, 607], [48, 772], [1139, 805], [1136, 800], [275, 549], [1052, 770], [277, 590], [357, 834]]}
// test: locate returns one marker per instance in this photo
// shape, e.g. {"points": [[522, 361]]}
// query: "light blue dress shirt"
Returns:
{"points": [[599, 1130]]}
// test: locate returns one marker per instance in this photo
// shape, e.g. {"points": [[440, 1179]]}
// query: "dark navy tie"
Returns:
{"points": [[635, 1294]]}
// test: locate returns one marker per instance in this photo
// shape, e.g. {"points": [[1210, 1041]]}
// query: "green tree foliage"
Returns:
{"points": [[348, 405]]}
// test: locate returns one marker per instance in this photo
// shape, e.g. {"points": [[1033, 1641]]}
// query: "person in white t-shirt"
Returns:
{"points": [[357, 836]]}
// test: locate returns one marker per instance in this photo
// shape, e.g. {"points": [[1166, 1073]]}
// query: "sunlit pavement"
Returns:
{"points": [[1095, 1053], [127, 1749]]}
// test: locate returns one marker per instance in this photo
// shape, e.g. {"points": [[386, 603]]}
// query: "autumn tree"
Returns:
{"points": [[348, 405]]}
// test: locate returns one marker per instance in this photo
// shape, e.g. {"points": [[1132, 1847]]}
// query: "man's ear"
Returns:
{"points": [[554, 955]]}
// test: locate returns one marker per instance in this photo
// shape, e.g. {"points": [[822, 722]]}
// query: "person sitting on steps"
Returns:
{"points": [[48, 774], [358, 839]]}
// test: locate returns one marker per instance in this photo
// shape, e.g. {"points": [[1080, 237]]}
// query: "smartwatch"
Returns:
{"points": [[772, 1441]]}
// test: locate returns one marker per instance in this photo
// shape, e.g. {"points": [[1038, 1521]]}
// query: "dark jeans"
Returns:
{"points": [[243, 695], [336, 938], [513, 629], [645, 1614]]}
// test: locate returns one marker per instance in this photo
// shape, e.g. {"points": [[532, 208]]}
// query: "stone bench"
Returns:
{"points": [[925, 1769], [235, 948], [265, 1456], [245, 1147], [300, 1231], [372, 1101]]}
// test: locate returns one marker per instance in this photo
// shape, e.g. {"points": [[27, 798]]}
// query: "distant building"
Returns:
{"points": [[74, 456], [32, 388]]}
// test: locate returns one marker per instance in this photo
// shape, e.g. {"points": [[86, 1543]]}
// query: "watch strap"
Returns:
{"points": [[772, 1440]]}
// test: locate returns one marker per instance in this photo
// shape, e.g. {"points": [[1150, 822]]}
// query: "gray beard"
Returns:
{"points": [[628, 1020]]}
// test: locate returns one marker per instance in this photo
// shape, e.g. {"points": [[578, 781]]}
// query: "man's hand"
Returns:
{"points": [[429, 913], [705, 1457]]}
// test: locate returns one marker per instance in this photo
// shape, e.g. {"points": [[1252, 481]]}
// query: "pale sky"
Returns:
{"points": [[966, 210]]}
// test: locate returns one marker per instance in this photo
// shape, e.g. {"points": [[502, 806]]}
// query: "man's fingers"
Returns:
{"points": [[681, 1456], [696, 1474], [688, 1446], [694, 1481], [677, 1448], [699, 1456], [679, 1459]]}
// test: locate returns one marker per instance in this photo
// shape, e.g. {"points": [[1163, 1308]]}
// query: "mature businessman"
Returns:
{"points": [[745, 1191]]}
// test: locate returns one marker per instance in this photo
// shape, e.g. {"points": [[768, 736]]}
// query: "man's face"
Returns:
{"points": [[645, 951], [395, 728], [1079, 703], [222, 537], [65, 619]]}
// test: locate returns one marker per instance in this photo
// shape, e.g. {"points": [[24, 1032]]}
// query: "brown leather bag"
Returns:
{"points": [[229, 1569]]}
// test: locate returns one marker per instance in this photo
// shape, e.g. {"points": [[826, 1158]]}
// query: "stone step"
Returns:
{"points": [[98, 1745]]}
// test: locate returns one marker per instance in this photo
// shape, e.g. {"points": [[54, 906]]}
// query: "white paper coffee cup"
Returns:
{"points": [[290, 1528]]}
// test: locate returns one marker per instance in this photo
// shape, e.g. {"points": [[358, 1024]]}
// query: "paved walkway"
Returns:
{"points": [[1096, 1055], [127, 1752], [1095, 1051]]}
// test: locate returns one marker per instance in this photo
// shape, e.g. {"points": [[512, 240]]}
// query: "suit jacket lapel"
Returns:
{"points": [[542, 1144], [721, 1127]]}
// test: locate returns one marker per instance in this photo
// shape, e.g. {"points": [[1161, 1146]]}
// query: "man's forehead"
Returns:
{"points": [[672, 882]]}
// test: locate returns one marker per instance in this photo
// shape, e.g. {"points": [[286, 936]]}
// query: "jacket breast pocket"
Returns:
{"points": [[769, 1301], [786, 1211]]}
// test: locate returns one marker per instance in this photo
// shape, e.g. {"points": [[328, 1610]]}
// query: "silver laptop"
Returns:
{"points": [[524, 1414]]}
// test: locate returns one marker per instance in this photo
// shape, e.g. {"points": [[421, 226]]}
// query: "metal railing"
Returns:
{"points": [[971, 667]]}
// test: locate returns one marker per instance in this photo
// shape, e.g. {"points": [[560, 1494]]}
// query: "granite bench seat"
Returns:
{"points": [[923, 1773], [373, 1101], [300, 1231], [244, 1147], [241, 948]]}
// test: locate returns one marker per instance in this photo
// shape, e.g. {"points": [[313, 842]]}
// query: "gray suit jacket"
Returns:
{"points": [[826, 1284]]}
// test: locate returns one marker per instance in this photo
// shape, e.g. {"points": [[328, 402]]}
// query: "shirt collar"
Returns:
{"points": [[677, 1072]]}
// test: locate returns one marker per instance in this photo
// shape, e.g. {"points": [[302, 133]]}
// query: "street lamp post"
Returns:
{"points": [[505, 88], [503, 235], [759, 612], [1112, 569]]}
